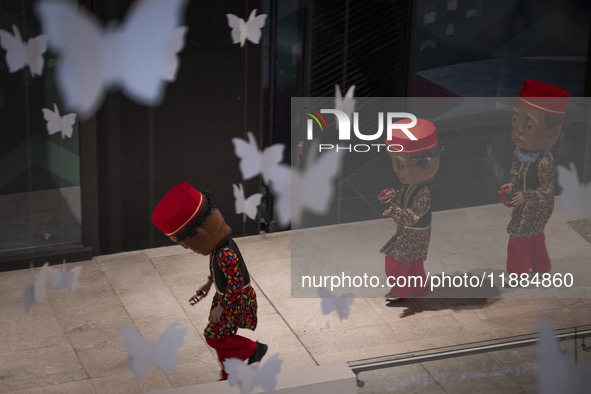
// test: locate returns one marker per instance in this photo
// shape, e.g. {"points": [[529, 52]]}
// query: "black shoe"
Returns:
{"points": [[396, 302], [389, 297], [258, 354]]}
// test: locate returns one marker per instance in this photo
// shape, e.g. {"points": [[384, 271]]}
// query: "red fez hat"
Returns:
{"points": [[424, 131], [544, 97], [178, 208]]}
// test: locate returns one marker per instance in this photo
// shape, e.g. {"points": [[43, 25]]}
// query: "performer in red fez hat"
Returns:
{"points": [[415, 163], [537, 122], [190, 218]]}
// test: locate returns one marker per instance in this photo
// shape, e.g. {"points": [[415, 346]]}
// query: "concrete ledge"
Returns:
{"points": [[322, 379]]}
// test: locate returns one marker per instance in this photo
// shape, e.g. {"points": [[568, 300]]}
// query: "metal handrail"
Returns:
{"points": [[373, 363]]}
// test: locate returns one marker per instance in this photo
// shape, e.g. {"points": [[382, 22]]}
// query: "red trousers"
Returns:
{"points": [[526, 253], [233, 346], [401, 273]]}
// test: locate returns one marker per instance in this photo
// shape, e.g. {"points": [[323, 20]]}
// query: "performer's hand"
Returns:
{"points": [[205, 288], [509, 185], [200, 293], [215, 313], [388, 211], [517, 199], [197, 297]]}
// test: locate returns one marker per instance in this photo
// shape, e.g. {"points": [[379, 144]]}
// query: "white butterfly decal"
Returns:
{"points": [[56, 123], [247, 206], [139, 56], [347, 103], [311, 190], [556, 373], [251, 29], [163, 353], [280, 184], [68, 280], [253, 161], [330, 303], [19, 54], [247, 377], [35, 290], [574, 194]]}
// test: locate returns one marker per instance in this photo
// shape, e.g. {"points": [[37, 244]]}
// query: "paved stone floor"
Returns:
{"points": [[583, 227], [72, 342]]}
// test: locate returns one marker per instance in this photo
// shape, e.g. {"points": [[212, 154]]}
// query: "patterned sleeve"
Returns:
{"points": [[514, 173], [227, 261], [420, 206], [547, 178]]}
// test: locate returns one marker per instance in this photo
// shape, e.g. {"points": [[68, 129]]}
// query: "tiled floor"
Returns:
{"points": [[72, 343]]}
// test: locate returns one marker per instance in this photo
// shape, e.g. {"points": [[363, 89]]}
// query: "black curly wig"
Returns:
{"points": [[191, 229], [421, 159], [553, 122]]}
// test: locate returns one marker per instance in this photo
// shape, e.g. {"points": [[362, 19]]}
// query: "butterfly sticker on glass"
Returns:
{"points": [[64, 280], [139, 55], [35, 289], [330, 303], [309, 190], [162, 353], [249, 30], [347, 103], [20, 54], [247, 206], [574, 194], [253, 161], [247, 377], [556, 371], [56, 122]]}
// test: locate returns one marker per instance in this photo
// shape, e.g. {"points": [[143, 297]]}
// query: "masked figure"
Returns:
{"points": [[415, 163], [190, 218], [537, 123]]}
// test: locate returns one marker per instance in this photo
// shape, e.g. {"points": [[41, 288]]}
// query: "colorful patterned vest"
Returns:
{"points": [[219, 279]]}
